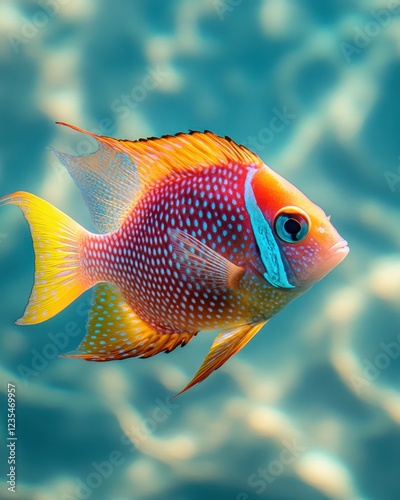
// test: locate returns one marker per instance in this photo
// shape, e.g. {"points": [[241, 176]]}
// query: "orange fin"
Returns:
{"points": [[108, 180], [114, 331], [205, 265], [113, 177], [226, 344], [56, 241]]}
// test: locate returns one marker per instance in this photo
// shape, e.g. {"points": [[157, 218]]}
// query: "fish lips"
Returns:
{"points": [[337, 251], [322, 266], [332, 257]]}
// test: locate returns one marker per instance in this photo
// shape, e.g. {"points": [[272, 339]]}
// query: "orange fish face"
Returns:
{"points": [[309, 245]]}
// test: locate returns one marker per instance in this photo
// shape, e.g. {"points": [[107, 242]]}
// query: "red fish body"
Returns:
{"points": [[161, 287], [198, 234]]}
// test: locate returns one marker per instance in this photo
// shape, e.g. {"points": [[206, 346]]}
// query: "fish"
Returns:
{"points": [[195, 233]]}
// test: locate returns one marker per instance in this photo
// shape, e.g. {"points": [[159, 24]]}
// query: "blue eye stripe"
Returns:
{"points": [[271, 257]]}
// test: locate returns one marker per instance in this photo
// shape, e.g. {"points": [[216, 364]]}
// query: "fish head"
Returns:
{"points": [[297, 242]]}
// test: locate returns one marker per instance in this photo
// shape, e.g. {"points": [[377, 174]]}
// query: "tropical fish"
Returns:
{"points": [[197, 233]]}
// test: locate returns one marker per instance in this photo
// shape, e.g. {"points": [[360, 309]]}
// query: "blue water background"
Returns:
{"points": [[310, 409]]}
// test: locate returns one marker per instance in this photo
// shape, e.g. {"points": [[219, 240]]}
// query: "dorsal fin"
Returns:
{"points": [[108, 181], [113, 177]]}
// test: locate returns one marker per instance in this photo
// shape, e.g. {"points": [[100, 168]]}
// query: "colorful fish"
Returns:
{"points": [[197, 234]]}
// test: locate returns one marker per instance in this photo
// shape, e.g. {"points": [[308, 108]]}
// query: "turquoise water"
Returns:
{"points": [[310, 409]]}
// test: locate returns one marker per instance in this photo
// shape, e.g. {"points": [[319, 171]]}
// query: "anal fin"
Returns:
{"points": [[226, 344], [114, 331]]}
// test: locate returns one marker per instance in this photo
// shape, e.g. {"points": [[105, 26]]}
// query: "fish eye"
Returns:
{"points": [[291, 224]]}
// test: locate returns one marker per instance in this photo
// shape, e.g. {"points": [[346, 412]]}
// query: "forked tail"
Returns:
{"points": [[57, 242]]}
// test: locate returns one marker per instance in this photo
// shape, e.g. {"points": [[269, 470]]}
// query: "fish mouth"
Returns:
{"points": [[340, 248]]}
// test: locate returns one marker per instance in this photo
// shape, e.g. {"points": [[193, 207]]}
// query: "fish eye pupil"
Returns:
{"points": [[292, 226]]}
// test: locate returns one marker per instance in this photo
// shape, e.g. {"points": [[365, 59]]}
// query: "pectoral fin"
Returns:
{"points": [[226, 344], [203, 265]]}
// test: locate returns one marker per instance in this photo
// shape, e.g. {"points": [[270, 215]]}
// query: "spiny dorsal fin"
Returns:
{"points": [[114, 331], [186, 152], [178, 153], [113, 177]]}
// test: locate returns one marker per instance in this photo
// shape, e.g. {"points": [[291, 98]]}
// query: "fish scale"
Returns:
{"points": [[197, 233], [200, 205]]}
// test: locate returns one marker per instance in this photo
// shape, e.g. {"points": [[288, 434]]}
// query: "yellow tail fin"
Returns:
{"points": [[57, 240]]}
